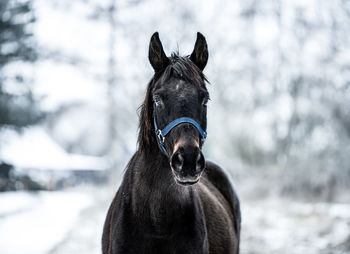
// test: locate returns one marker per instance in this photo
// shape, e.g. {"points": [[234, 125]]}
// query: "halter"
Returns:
{"points": [[161, 134]]}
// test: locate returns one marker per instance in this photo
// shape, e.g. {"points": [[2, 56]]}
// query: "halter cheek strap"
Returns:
{"points": [[161, 134]]}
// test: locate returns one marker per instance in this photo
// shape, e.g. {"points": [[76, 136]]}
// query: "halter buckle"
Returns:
{"points": [[160, 136]]}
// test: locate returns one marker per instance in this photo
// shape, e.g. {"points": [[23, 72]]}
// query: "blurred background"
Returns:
{"points": [[73, 74]]}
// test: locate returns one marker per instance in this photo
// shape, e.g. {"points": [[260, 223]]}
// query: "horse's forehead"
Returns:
{"points": [[183, 89]]}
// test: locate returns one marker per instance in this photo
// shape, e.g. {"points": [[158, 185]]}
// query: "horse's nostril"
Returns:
{"points": [[200, 162], [188, 161], [198, 157], [177, 161]]}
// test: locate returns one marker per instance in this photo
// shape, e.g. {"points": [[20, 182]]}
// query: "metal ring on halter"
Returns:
{"points": [[160, 136]]}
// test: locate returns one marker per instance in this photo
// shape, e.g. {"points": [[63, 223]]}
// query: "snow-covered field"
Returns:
{"points": [[71, 222], [39, 223], [282, 226]]}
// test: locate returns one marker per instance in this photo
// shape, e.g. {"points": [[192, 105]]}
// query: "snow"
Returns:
{"points": [[71, 222], [35, 149], [37, 222], [61, 84], [276, 226], [13, 202]]}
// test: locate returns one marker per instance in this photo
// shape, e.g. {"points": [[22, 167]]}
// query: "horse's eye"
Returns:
{"points": [[157, 101]]}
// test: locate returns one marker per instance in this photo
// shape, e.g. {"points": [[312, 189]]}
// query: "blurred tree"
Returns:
{"points": [[16, 45], [107, 12]]}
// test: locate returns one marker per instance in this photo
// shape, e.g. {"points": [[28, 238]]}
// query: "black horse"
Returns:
{"points": [[171, 200]]}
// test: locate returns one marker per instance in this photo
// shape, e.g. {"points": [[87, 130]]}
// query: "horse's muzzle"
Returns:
{"points": [[187, 164]]}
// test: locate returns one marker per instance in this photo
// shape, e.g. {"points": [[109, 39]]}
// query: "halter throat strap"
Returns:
{"points": [[161, 134]]}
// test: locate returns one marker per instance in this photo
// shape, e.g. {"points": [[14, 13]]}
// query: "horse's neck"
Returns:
{"points": [[155, 192]]}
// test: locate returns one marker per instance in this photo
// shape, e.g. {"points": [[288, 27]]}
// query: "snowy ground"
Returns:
{"points": [[71, 222], [44, 222], [281, 226]]}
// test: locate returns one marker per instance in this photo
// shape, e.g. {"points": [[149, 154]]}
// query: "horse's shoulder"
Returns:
{"points": [[219, 178], [115, 211], [108, 225]]}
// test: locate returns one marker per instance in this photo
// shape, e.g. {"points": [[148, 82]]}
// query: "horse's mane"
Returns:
{"points": [[179, 67]]}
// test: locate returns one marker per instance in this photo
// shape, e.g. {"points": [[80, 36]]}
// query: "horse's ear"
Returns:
{"points": [[200, 53], [156, 54]]}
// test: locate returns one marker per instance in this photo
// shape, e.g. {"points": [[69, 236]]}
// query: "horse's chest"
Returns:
{"points": [[167, 243], [164, 234]]}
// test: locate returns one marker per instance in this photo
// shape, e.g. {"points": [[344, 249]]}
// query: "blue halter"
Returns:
{"points": [[162, 133]]}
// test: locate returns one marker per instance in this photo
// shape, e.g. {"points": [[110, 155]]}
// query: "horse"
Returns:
{"points": [[172, 200]]}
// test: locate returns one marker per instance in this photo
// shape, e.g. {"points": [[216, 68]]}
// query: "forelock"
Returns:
{"points": [[182, 67]]}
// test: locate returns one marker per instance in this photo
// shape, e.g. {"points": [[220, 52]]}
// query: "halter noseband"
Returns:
{"points": [[161, 134]]}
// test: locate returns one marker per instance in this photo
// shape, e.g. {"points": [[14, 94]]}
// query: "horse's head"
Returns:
{"points": [[180, 108]]}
